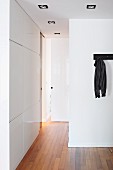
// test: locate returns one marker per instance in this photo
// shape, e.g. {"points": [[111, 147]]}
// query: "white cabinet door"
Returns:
{"points": [[22, 29], [16, 142], [31, 125], [31, 35], [31, 78], [16, 22], [16, 80]]}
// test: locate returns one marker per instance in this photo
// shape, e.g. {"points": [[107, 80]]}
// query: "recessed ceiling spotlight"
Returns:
{"points": [[57, 33], [51, 22], [91, 6], [43, 6]]}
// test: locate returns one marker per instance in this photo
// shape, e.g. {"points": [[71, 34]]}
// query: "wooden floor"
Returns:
{"points": [[50, 152]]}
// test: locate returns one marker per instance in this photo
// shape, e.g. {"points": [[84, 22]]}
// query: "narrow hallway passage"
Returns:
{"points": [[50, 152]]}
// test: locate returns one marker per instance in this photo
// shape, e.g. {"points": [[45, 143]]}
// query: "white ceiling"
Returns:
{"points": [[62, 10]]}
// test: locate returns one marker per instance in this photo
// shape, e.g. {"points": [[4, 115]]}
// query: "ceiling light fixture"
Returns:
{"points": [[51, 22], [91, 6], [43, 6], [57, 33]]}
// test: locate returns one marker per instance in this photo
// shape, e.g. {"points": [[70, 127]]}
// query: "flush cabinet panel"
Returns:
{"points": [[31, 78], [16, 22], [31, 120], [16, 80], [16, 142], [22, 29]]}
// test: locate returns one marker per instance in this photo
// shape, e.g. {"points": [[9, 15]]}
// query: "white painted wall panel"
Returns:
{"points": [[4, 85], [31, 35], [16, 80], [16, 22], [24, 83], [31, 125], [91, 119], [31, 78], [22, 29], [16, 142]]}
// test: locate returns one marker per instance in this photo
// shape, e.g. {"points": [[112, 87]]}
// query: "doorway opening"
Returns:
{"points": [[55, 79]]}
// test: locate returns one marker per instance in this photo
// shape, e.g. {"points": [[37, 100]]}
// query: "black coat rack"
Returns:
{"points": [[103, 56]]}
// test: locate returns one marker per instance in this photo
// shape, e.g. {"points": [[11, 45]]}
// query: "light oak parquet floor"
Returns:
{"points": [[50, 152]]}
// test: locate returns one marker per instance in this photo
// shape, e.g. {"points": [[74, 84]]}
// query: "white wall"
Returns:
{"points": [[24, 83], [59, 79], [4, 85], [91, 119]]}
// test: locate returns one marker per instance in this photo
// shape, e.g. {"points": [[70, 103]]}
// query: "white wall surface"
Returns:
{"points": [[4, 85], [90, 119], [16, 142], [59, 79], [17, 80], [24, 83], [24, 31]]}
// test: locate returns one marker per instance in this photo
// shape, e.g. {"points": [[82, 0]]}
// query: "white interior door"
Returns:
{"points": [[41, 80], [59, 79]]}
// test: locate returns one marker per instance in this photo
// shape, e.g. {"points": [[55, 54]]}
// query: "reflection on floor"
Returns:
{"points": [[50, 152]]}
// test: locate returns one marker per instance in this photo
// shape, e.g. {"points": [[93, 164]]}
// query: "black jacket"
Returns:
{"points": [[100, 79]]}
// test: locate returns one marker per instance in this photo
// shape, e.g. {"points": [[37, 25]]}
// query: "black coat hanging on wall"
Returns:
{"points": [[100, 78]]}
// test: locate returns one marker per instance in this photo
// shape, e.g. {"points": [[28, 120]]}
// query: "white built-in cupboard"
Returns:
{"points": [[24, 83]]}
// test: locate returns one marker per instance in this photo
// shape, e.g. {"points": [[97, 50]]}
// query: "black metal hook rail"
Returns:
{"points": [[103, 56]]}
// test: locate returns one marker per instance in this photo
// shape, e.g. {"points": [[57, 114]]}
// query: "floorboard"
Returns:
{"points": [[50, 152]]}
